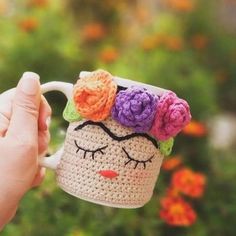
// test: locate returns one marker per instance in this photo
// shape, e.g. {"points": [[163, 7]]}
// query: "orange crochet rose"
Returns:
{"points": [[94, 95]]}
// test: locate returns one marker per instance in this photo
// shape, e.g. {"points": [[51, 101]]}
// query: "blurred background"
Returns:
{"points": [[188, 46]]}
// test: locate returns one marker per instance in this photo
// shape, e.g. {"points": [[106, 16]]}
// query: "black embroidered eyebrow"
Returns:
{"points": [[115, 137]]}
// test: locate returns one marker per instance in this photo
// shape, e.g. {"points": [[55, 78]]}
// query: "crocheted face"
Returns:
{"points": [[116, 141], [109, 164]]}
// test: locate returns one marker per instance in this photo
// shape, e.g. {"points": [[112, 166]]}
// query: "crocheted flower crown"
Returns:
{"points": [[96, 96]]}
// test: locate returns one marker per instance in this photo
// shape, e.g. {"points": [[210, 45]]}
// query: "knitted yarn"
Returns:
{"points": [[94, 95], [166, 146], [70, 113], [100, 169], [172, 115], [135, 107]]}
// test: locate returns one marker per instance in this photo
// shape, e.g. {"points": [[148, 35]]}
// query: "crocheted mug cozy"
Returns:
{"points": [[119, 132]]}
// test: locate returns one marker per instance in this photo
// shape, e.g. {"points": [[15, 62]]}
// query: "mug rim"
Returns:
{"points": [[128, 83]]}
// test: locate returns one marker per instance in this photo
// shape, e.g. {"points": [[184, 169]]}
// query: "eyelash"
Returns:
{"points": [[136, 161], [93, 152]]}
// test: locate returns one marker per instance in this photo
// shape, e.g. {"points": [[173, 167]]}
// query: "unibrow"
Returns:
{"points": [[115, 137]]}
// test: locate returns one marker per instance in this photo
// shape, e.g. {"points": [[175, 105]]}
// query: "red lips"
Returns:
{"points": [[108, 173]]}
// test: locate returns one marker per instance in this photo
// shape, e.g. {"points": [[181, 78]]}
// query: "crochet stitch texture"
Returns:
{"points": [[135, 107], [172, 115], [95, 95]]}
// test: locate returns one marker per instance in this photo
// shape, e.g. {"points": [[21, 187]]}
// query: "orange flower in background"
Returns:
{"points": [[29, 24], [174, 43], [172, 192], [93, 32], [188, 182], [180, 5], [142, 13], [153, 41], [229, 2], [4, 6], [222, 76], [171, 163], [94, 95], [199, 41], [149, 43], [176, 212], [38, 3], [109, 54], [195, 129]]}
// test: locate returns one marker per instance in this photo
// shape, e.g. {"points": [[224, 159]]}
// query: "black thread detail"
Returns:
{"points": [[137, 161], [90, 151], [120, 88], [113, 136]]}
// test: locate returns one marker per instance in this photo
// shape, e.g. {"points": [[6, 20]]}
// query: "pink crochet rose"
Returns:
{"points": [[172, 115]]}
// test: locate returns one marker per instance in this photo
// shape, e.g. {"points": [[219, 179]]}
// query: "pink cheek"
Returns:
{"points": [[110, 174]]}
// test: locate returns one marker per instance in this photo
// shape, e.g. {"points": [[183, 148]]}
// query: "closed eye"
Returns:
{"points": [[137, 162], [92, 152]]}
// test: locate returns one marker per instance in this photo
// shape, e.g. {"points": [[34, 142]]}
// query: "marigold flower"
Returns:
{"points": [[177, 212], [172, 192], [171, 163], [38, 3], [94, 95], [149, 43], [174, 43], [109, 55], [142, 13], [199, 41], [153, 41], [29, 24], [188, 182], [229, 2], [222, 76], [181, 5], [93, 32], [4, 5], [195, 129]]}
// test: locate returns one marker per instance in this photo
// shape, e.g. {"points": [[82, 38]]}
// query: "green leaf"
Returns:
{"points": [[70, 113], [166, 146]]}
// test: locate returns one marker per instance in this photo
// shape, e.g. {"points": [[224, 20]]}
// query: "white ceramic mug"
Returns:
{"points": [[105, 162]]}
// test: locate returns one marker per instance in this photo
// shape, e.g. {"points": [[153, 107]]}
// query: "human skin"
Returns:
{"points": [[24, 136]]}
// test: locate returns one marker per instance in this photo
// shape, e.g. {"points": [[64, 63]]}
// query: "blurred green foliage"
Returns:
{"points": [[188, 52]]}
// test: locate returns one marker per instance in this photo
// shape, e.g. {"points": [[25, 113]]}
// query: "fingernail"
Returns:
{"points": [[29, 83], [48, 122]]}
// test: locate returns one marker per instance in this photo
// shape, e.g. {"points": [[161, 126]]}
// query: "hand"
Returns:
{"points": [[24, 136]]}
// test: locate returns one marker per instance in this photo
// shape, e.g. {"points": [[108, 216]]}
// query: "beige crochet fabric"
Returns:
{"points": [[78, 174]]}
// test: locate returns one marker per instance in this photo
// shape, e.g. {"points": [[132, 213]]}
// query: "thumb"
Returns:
{"points": [[24, 121]]}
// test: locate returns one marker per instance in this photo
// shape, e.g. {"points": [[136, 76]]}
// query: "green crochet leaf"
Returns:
{"points": [[70, 113], [166, 146]]}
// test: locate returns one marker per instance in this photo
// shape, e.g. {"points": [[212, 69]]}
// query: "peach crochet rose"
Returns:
{"points": [[94, 95]]}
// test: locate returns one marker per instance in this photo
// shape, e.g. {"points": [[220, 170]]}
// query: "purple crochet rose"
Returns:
{"points": [[135, 107], [172, 115]]}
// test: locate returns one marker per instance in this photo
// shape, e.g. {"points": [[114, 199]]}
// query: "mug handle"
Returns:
{"points": [[67, 89]]}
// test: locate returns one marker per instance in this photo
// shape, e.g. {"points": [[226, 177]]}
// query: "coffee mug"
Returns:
{"points": [[119, 132]]}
